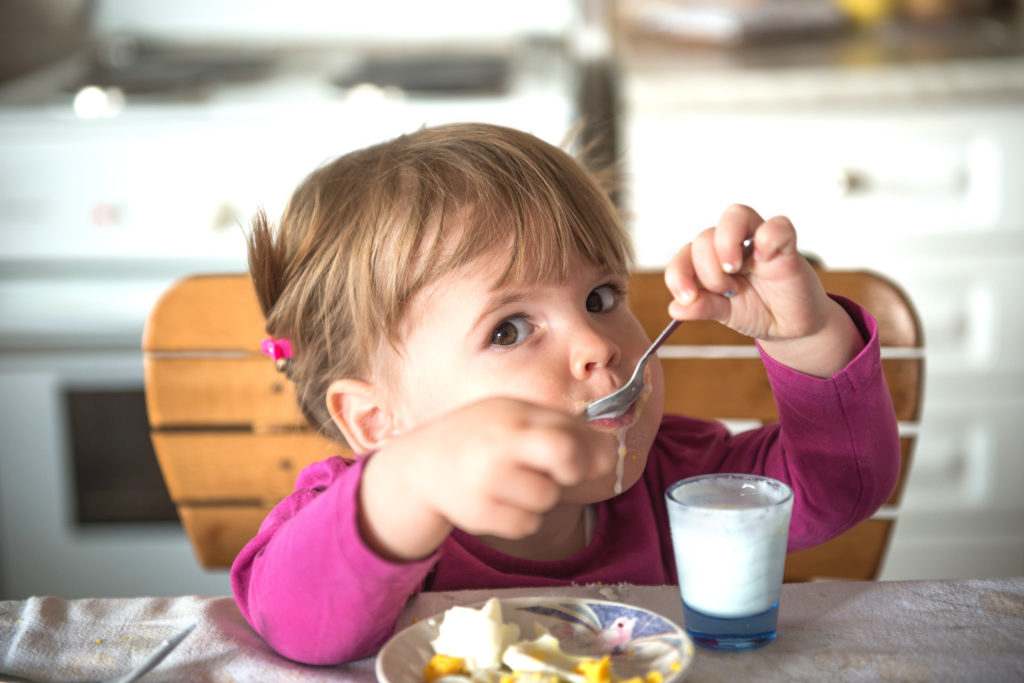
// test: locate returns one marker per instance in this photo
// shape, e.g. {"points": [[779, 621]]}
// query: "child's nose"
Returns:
{"points": [[592, 351]]}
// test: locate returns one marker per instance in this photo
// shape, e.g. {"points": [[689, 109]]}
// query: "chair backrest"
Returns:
{"points": [[230, 437]]}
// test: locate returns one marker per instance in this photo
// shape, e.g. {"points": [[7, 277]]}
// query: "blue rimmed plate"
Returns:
{"points": [[637, 639]]}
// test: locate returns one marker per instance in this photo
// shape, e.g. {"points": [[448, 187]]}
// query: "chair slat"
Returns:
{"points": [[222, 467], [856, 554], [219, 532], [221, 312], [907, 444], [206, 312], [737, 388], [242, 468], [247, 392], [250, 392]]}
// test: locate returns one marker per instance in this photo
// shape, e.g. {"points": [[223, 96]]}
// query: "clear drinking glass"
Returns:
{"points": [[729, 533]]}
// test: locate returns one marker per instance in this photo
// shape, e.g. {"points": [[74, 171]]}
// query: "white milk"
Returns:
{"points": [[729, 534]]}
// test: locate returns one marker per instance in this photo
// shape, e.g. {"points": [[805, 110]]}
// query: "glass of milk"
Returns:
{"points": [[729, 534]]}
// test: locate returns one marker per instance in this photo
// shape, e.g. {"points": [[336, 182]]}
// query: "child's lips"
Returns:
{"points": [[614, 424]]}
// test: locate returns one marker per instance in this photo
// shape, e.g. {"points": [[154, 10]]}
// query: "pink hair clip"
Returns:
{"points": [[278, 349]]}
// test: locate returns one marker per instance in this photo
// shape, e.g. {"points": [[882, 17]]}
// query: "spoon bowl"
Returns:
{"points": [[618, 402]]}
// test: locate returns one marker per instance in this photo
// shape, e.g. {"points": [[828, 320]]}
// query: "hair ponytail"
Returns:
{"points": [[266, 264]]}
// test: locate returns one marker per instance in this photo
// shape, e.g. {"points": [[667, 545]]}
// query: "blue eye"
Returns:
{"points": [[604, 298], [511, 331]]}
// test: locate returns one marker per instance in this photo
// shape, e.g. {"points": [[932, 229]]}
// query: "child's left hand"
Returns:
{"points": [[774, 295]]}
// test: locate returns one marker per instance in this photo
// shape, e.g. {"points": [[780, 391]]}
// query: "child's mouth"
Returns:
{"points": [[614, 424]]}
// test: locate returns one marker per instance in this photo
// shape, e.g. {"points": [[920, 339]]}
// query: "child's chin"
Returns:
{"points": [[601, 490]]}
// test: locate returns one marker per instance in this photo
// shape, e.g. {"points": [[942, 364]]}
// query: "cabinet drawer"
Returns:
{"points": [[844, 180], [967, 455], [972, 316]]}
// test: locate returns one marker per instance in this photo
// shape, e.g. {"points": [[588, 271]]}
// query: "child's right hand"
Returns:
{"points": [[492, 467]]}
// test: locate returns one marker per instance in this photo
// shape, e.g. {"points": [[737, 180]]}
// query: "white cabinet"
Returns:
{"points": [[926, 191], [848, 180]]}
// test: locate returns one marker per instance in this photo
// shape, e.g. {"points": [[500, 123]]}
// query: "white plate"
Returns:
{"points": [[637, 639]]}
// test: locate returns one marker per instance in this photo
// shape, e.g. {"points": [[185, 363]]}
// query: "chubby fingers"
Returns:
{"points": [[505, 520], [680, 277], [705, 274], [700, 288], [737, 223], [569, 452], [525, 488], [774, 238], [708, 266]]}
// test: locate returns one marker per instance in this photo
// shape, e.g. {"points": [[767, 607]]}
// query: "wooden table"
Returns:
{"points": [[970, 630]]}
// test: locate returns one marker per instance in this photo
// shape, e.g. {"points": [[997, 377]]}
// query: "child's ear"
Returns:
{"points": [[358, 410]]}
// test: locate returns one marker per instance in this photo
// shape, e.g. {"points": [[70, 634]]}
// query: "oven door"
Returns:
{"points": [[83, 509]]}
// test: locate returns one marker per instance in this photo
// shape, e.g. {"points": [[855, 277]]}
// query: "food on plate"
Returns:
{"points": [[440, 666], [476, 645], [478, 636]]}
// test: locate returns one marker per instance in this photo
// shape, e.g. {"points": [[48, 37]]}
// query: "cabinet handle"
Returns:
{"points": [[226, 216], [853, 182]]}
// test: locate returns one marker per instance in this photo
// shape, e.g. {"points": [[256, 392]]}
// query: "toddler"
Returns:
{"points": [[453, 299]]}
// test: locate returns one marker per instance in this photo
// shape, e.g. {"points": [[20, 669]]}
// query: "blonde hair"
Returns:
{"points": [[364, 233]]}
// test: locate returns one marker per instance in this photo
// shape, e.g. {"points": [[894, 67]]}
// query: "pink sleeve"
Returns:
{"points": [[836, 443], [309, 585]]}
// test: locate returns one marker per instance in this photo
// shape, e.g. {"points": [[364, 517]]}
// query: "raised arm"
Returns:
{"points": [[836, 443]]}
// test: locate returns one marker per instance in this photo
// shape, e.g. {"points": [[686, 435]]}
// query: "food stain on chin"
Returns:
{"points": [[621, 425], [620, 466], [620, 433]]}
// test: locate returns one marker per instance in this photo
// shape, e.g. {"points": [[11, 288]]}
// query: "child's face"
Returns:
{"points": [[560, 345]]}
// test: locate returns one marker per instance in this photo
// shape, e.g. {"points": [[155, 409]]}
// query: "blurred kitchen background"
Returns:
{"points": [[137, 136]]}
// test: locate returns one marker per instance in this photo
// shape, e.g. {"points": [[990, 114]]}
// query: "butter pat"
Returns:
{"points": [[477, 636]]}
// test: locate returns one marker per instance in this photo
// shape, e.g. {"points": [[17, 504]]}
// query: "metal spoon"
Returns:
{"points": [[156, 657], [619, 401]]}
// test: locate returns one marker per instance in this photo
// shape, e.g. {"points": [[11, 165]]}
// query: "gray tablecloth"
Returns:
{"points": [[843, 631]]}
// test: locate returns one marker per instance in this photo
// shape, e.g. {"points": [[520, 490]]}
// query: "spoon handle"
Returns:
{"points": [[748, 248], [665, 334]]}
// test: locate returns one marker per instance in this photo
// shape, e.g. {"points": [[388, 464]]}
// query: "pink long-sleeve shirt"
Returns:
{"points": [[313, 589]]}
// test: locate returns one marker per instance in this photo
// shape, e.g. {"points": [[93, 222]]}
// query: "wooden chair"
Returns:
{"points": [[230, 438]]}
